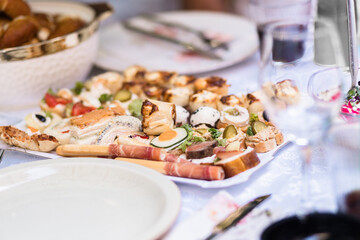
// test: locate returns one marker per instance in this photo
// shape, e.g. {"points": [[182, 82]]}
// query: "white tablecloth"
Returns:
{"points": [[281, 177]]}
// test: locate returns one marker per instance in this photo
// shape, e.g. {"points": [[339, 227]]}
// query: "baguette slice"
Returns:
{"points": [[263, 146], [37, 142], [235, 162]]}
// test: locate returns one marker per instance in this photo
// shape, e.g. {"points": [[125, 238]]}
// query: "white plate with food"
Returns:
{"points": [[194, 131], [85, 198], [121, 48]]}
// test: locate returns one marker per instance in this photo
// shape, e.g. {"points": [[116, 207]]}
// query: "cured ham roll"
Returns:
{"points": [[185, 81], [179, 96], [134, 74], [185, 170], [115, 150], [160, 77], [158, 117], [110, 80], [202, 98], [151, 91], [213, 84], [228, 101]]}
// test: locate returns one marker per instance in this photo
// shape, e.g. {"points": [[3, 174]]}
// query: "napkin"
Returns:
{"points": [[200, 225]]}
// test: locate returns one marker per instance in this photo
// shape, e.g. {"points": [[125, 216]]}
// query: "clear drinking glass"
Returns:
{"points": [[343, 153], [300, 96], [264, 12]]}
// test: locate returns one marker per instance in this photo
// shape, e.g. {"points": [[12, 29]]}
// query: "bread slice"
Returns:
{"points": [[265, 140], [36, 142], [279, 138], [235, 162], [263, 146]]}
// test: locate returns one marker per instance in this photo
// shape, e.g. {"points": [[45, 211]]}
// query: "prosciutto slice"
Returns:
{"points": [[181, 169], [142, 152], [190, 170]]}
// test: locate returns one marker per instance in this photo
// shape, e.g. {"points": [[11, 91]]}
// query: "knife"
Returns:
{"points": [[186, 45], [236, 216]]}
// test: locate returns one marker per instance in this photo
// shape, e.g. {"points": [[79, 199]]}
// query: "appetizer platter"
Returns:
{"points": [[184, 127]]}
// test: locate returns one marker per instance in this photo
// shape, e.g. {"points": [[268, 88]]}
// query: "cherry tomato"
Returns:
{"points": [[52, 100], [80, 109]]}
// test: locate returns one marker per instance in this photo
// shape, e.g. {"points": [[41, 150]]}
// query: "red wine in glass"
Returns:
{"points": [[352, 203], [287, 48]]}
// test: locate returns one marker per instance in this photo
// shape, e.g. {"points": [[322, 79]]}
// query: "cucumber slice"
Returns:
{"points": [[258, 126], [170, 138], [230, 132], [123, 95]]}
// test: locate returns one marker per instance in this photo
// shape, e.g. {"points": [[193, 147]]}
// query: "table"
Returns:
{"points": [[281, 177]]}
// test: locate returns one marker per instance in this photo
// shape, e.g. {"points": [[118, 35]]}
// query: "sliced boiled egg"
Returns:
{"points": [[170, 138], [37, 121]]}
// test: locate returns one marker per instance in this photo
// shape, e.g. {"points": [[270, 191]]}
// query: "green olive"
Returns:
{"points": [[230, 132], [258, 126], [123, 95]]}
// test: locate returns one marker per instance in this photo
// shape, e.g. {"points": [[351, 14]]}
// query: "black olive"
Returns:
{"points": [[41, 118], [265, 116]]}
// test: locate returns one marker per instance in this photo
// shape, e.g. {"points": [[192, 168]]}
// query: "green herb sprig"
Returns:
{"points": [[105, 97], [78, 88], [214, 133]]}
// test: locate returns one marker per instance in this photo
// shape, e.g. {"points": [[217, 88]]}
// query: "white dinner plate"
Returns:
{"points": [[85, 198], [121, 48]]}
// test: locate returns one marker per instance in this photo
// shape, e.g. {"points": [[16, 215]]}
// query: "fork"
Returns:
{"points": [[213, 43]]}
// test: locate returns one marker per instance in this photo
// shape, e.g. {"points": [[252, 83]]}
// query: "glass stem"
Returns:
{"points": [[306, 198]]}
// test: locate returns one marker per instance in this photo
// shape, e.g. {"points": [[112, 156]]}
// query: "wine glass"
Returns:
{"points": [[343, 153], [264, 12], [300, 86]]}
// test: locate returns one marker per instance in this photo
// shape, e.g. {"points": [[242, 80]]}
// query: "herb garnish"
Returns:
{"points": [[78, 88], [214, 133], [253, 117], [198, 139], [187, 142], [221, 142], [250, 131], [51, 92], [48, 114], [105, 97]]}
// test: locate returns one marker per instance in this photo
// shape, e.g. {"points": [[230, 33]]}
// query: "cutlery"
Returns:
{"points": [[2, 151], [213, 43], [353, 51], [236, 216], [188, 46]]}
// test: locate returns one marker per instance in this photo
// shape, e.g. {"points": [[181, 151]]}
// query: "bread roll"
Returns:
{"points": [[134, 74], [179, 96], [201, 99], [213, 84], [158, 117]]}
